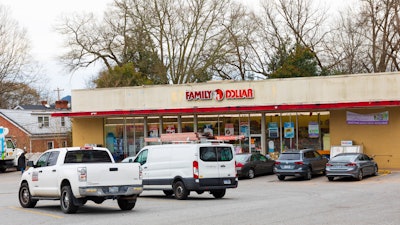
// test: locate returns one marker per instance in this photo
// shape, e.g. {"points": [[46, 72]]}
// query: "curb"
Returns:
{"points": [[384, 171]]}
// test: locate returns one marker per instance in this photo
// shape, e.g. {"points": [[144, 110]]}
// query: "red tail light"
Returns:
{"points": [[277, 163], [328, 164], [351, 164], [195, 170], [238, 164], [299, 163]]}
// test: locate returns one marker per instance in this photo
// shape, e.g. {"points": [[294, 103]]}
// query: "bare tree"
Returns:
{"points": [[17, 69], [379, 20]]}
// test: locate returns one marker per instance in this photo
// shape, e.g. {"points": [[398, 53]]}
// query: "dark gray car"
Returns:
{"points": [[300, 163], [356, 165]]}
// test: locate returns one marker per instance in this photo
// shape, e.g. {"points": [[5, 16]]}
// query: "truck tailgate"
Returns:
{"points": [[107, 174]]}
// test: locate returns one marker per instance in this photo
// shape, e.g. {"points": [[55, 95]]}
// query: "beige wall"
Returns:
{"points": [[379, 141], [87, 131], [310, 90]]}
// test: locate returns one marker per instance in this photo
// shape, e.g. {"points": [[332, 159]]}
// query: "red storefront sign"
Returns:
{"points": [[219, 94]]}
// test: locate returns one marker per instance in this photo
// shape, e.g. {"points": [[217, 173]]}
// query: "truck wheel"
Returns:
{"points": [[3, 169], [218, 193], [168, 192], [180, 191], [125, 204], [25, 197], [66, 200]]}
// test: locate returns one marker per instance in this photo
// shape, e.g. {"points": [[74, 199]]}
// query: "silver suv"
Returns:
{"points": [[300, 163]]}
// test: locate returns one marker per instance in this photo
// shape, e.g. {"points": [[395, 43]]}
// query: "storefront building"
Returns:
{"points": [[266, 115]]}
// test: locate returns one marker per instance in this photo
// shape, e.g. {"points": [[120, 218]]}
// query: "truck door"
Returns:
{"points": [[44, 176]]}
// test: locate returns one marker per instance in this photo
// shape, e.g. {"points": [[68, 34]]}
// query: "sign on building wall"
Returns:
{"points": [[381, 118], [289, 129], [219, 94]]}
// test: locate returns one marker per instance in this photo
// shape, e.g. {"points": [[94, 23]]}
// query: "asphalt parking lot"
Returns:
{"points": [[262, 200]]}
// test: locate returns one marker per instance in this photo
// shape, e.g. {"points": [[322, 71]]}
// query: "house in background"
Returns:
{"points": [[32, 127]]}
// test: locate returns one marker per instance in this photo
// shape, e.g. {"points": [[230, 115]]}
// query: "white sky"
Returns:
{"points": [[39, 17]]}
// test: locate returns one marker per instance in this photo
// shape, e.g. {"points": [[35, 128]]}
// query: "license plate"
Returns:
{"points": [[227, 181], [113, 189], [287, 167]]}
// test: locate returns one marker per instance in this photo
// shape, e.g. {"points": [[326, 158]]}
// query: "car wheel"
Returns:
{"points": [[180, 191], [360, 175], [125, 204], [218, 193], [67, 200], [25, 197], [308, 175], [168, 192], [331, 178], [250, 174], [376, 171], [281, 177]]}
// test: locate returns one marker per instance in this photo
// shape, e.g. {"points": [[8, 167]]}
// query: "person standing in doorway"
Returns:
{"points": [[22, 162]]}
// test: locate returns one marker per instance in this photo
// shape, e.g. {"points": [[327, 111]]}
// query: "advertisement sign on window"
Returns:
{"points": [[289, 129], [313, 129], [273, 130], [229, 130]]}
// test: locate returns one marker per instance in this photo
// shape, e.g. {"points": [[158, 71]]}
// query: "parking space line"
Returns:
{"points": [[37, 213]]}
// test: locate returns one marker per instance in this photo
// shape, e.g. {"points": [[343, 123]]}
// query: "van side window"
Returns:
{"points": [[208, 154], [142, 157], [224, 154]]}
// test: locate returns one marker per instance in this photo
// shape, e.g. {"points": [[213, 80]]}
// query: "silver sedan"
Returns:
{"points": [[356, 165]]}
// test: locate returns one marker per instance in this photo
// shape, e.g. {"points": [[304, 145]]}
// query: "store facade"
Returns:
{"points": [[265, 115]]}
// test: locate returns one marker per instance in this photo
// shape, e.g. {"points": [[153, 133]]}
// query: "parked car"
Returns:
{"points": [[356, 165], [300, 163], [253, 164]]}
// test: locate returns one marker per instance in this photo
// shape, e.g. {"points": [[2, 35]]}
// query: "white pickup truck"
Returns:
{"points": [[75, 175]]}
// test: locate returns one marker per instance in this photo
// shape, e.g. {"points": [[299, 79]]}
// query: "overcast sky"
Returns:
{"points": [[39, 17]]}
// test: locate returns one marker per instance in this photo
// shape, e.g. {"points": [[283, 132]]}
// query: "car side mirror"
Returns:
{"points": [[30, 164]]}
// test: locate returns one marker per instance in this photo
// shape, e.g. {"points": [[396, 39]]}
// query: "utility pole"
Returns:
{"points": [[58, 92]]}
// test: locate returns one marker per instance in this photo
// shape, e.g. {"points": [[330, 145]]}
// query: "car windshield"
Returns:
{"points": [[343, 158], [242, 158], [289, 156]]}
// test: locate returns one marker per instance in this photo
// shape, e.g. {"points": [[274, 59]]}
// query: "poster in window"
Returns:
{"points": [[229, 130], [273, 130], [313, 129], [244, 129], [289, 129]]}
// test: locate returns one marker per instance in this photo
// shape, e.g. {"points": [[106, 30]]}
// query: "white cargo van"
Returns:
{"points": [[180, 168]]}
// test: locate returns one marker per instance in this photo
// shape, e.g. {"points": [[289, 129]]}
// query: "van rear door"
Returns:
{"points": [[216, 162]]}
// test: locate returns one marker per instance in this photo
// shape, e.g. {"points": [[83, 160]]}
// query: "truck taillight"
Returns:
{"points": [[195, 170], [82, 174]]}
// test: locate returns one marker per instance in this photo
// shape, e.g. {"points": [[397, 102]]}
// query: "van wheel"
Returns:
{"points": [[218, 193], [25, 197], [168, 192], [125, 204], [67, 200], [180, 191]]}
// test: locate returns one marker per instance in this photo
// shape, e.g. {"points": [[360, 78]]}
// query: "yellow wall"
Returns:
{"points": [[87, 131], [379, 141]]}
